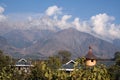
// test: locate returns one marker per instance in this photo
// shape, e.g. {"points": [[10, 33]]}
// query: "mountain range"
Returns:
{"points": [[44, 43]]}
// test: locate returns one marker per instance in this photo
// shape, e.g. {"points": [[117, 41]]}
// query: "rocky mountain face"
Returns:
{"points": [[42, 43], [116, 42], [76, 42], [4, 45], [25, 38], [3, 41], [8, 49]]}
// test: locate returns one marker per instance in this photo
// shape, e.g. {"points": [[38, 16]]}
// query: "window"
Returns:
{"points": [[92, 60]]}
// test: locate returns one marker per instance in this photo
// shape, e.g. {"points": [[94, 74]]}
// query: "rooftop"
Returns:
{"points": [[23, 62], [90, 54]]}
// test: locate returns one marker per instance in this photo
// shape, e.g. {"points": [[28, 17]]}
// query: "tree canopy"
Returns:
{"points": [[64, 56], [117, 58]]}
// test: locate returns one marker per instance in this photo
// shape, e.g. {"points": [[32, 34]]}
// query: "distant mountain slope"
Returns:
{"points": [[74, 41], [17, 39], [25, 38], [3, 41], [42, 43], [116, 42], [7, 48]]}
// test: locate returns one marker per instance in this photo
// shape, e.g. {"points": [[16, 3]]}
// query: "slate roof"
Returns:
{"points": [[69, 66], [23, 62]]}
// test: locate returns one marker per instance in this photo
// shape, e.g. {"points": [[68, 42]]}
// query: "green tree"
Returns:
{"points": [[82, 72], [54, 62], [38, 71], [6, 70], [117, 58], [117, 55], [114, 71], [4, 60], [64, 56]]}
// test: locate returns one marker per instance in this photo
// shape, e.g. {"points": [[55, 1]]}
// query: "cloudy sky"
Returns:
{"points": [[98, 17]]}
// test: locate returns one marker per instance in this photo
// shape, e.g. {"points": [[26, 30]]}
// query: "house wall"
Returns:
{"points": [[90, 62]]}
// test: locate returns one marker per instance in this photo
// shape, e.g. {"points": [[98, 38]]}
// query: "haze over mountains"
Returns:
{"points": [[44, 34], [44, 43]]}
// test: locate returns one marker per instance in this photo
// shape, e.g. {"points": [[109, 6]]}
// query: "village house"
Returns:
{"points": [[90, 61], [23, 65], [69, 66]]}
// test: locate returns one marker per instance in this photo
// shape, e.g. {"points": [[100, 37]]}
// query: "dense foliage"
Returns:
{"points": [[64, 56], [50, 70], [4, 60], [43, 72], [117, 58], [114, 70], [7, 69]]}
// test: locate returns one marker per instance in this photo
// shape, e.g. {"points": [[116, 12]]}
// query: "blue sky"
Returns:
{"points": [[97, 17], [80, 8]]}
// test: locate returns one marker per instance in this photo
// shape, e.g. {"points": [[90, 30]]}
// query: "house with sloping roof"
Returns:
{"points": [[23, 65], [90, 61], [69, 66]]}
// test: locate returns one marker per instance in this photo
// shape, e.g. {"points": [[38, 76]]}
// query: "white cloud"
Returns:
{"points": [[29, 18], [103, 26], [100, 25], [53, 10], [1, 10], [66, 17], [114, 31], [2, 17], [63, 23], [81, 25]]}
